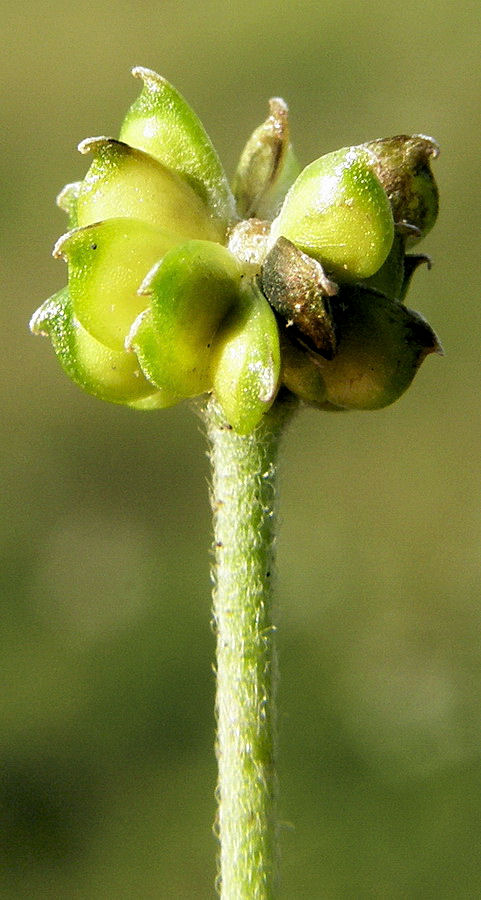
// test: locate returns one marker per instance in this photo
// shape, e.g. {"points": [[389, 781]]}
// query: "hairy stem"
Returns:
{"points": [[243, 501]]}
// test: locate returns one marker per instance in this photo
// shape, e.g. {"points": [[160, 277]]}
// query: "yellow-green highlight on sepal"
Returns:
{"points": [[246, 362], [380, 346], [189, 294], [108, 374], [107, 262], [123, 181], [162, 123], [338, 212], [267, 167]]}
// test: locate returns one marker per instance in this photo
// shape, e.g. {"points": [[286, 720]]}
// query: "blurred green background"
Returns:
{"points": [[106, 726]]}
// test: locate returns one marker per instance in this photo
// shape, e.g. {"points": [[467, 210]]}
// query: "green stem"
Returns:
{"points": [[243, 501]]}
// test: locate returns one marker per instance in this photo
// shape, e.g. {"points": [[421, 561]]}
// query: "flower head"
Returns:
{"points": [[178, 285]]}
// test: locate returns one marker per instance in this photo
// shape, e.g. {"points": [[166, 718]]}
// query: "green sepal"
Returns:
{"points": [[412, 261], [246, 360], [162, 123], [67, 200], [389, 278], [394, 276], [107, 374], [123, 181], [300, 372], [189, 294], [338, 212], [380, 346], [267, 167], [107, 263]]}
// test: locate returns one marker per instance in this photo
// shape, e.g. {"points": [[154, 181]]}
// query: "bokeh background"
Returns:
{"points": [[106, 724]]}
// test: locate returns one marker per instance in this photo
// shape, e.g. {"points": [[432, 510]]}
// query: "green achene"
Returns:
{"points": [[338, 212], [246, 360], [161, 123], [190, 293], [107, 262], [112, 375]]}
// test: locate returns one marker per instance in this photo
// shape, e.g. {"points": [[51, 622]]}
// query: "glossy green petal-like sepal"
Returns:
{"points": [[123, 181], [246, 361], [267, 167], [189, 294], [381, 344], [108, 374], [162, 123], [338, 212], [107, 263]]}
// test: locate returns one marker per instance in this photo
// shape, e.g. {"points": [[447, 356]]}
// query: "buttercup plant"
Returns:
{"points": [[287, 288]]}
